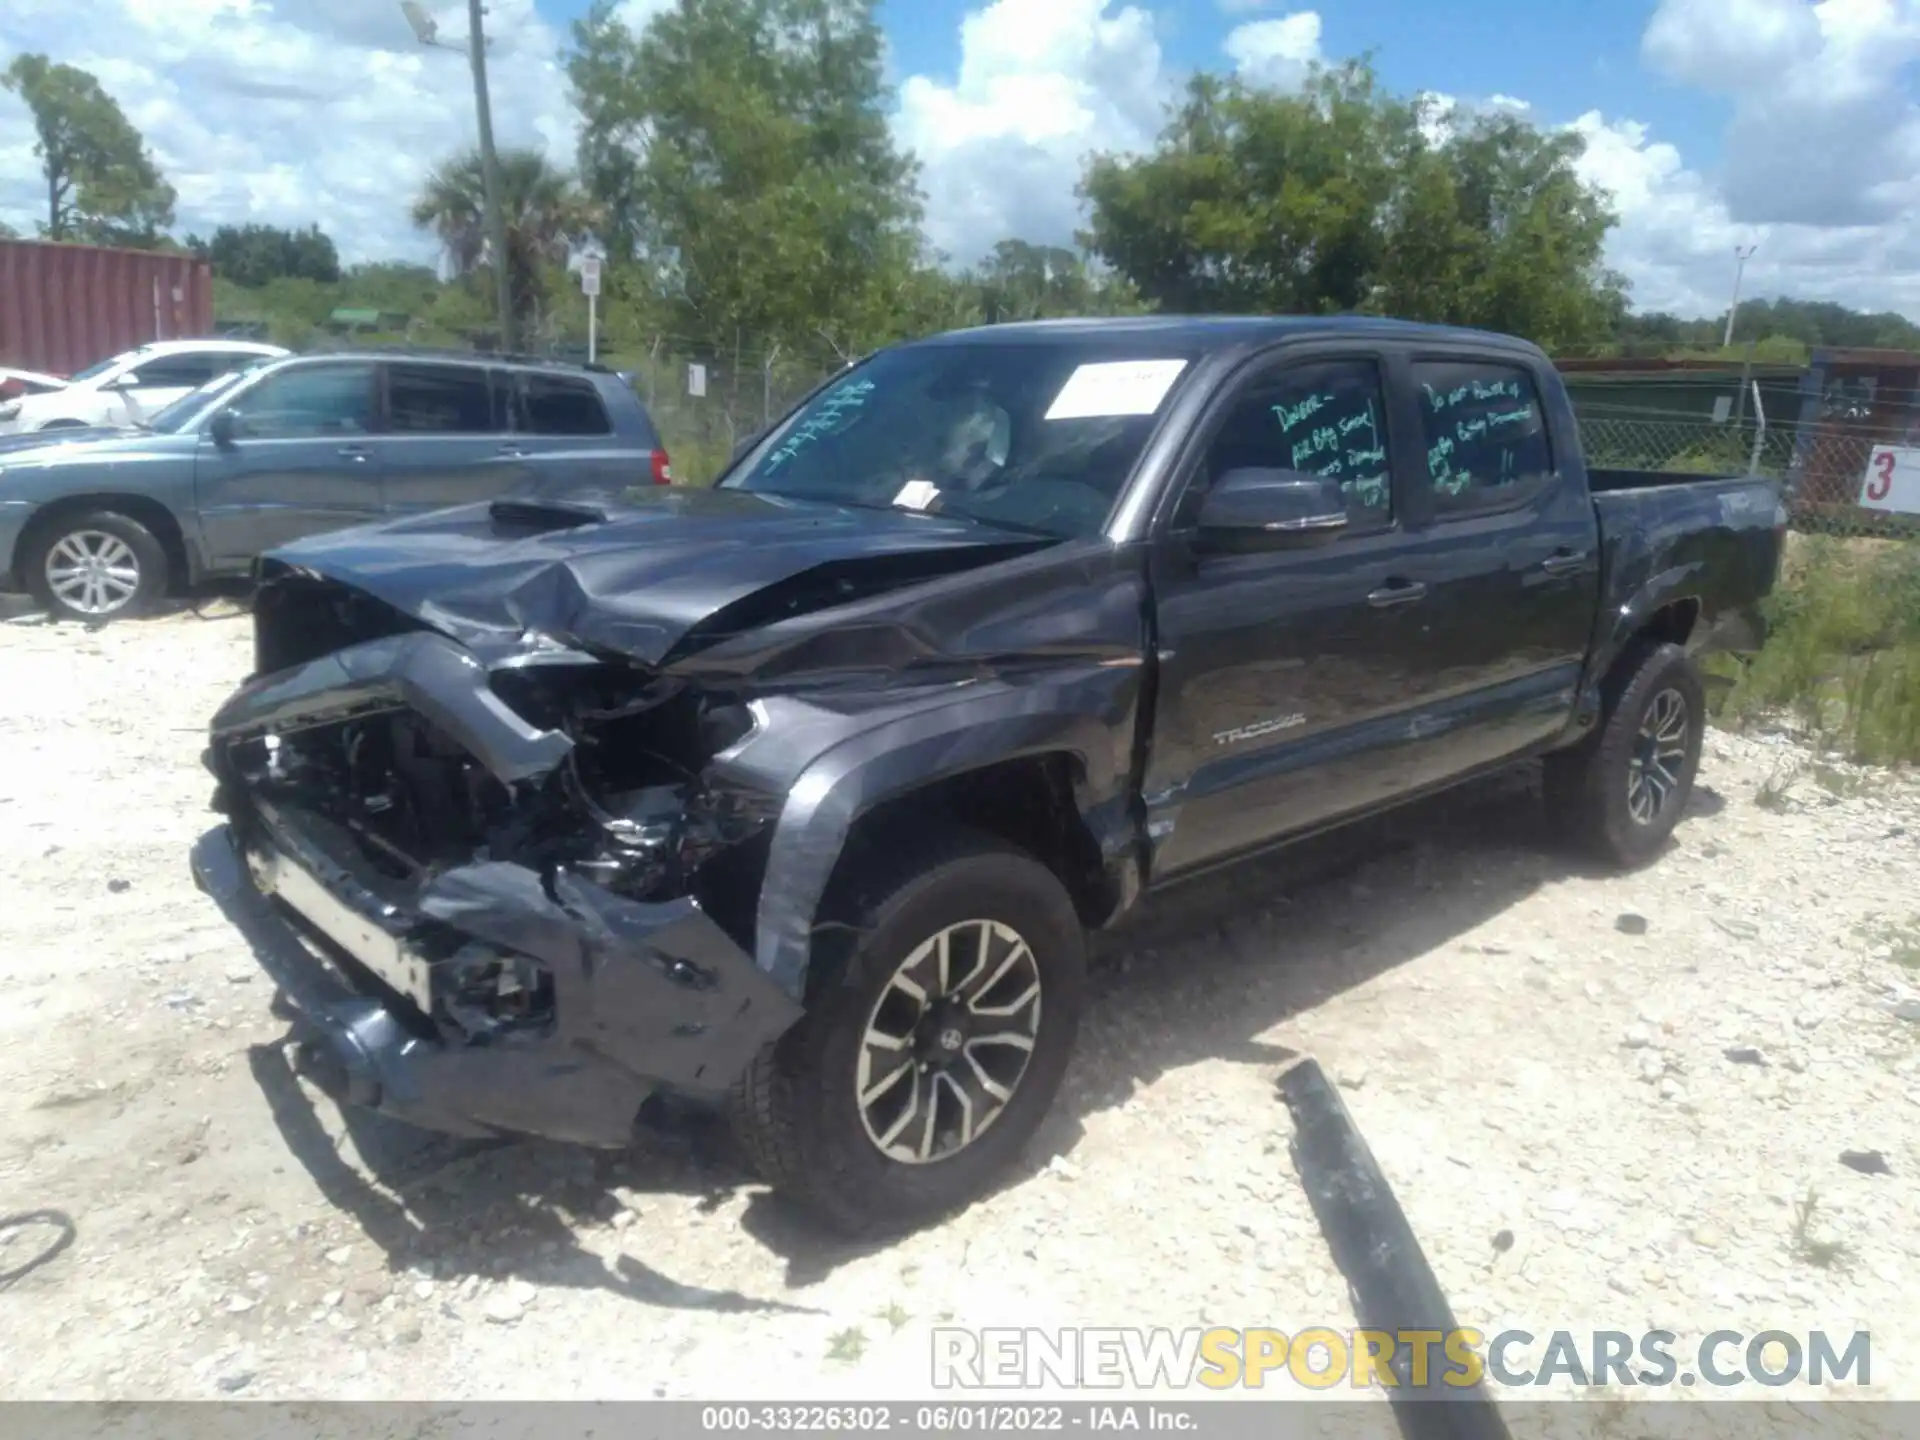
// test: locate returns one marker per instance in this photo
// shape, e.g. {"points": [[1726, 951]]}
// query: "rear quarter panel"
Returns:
{"points": [[1713, 543], [561, 465]]}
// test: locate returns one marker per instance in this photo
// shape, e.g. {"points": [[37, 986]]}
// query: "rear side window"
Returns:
{"points": [[440, 400], [1485, 436], [561, 405]]}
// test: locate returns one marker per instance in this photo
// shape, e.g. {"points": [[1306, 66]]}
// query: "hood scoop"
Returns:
{"points": [[547, 515]]}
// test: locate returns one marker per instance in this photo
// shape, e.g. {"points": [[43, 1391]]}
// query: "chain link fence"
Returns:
{"points": [[1827, 470]]}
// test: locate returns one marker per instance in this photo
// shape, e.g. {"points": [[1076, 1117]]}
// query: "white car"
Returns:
{"points": [[130, 388]]}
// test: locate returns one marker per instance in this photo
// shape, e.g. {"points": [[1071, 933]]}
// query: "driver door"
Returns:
{"points": [[1282, 671], [303, 458]]}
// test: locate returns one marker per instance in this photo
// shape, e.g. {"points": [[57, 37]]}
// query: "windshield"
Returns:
{"points": [[94, 371], [1028, 434], [181, 413]]}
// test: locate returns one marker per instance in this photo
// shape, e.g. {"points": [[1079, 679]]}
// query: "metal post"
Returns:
{"points": [[593, 328], [1741, 254], [1759, 430], [490, 170]]}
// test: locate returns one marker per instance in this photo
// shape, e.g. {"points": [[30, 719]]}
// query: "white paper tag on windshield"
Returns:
{"points": [[1119, 387], [917, 494]]}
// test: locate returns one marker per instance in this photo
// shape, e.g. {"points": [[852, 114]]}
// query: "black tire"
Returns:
{"points": [[148, 561], [796, 1109], [1590, 789]]}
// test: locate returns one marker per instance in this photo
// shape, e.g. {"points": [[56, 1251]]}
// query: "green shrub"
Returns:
{"points": [[1843, 655]]}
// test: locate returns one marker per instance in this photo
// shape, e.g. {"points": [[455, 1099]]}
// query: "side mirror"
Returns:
{"points": [[224, 425], [128, 381], [1268, 509]]}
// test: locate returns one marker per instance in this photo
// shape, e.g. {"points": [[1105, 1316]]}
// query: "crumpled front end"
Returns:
{"points": [[502, 892]]}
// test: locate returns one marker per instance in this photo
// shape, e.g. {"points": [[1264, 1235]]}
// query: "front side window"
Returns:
{"points": [[1034, 434], [308, 401], [170, 419], [1324, 419], [1485, 435], [440, 400]]}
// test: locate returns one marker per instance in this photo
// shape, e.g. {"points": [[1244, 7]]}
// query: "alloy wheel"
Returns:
{"points": [[948, 1041], [1659, 757], [93, 572]]}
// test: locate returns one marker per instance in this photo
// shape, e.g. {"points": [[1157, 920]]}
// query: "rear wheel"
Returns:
{"points": [[95, 566], [931, 1049], [1620, 793]]}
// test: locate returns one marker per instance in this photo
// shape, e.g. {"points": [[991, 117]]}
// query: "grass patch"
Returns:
{"points": [[1843, 656]]}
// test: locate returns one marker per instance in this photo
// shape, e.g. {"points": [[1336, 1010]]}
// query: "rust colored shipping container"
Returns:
{"points": [[63, 307]]}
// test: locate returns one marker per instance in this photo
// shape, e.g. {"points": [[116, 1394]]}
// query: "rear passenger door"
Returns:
{"points": [[568, 439], [446, 438], [1508, 550]]}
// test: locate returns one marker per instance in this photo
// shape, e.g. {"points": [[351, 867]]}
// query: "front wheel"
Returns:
{"points": [[1620, 793], [95, 567], [931, 1051]]}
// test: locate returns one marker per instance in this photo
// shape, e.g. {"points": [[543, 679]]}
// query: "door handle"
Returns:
{"points": [[1563, 561], [512, 452], [1401, 592], [354, 452]]}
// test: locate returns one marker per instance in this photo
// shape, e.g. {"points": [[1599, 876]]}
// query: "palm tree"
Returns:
{"points": [[544, 211]]}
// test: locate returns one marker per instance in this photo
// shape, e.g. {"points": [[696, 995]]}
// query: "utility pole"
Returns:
{"points": [[1741, 254], [426, 31], [490, 167]]}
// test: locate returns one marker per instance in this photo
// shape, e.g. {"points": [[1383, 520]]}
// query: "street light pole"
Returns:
{"points": [[490, 173], [427, 31], [1741, 254]]}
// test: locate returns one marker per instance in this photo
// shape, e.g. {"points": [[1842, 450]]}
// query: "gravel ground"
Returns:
{"points": [[1603, 1101]]}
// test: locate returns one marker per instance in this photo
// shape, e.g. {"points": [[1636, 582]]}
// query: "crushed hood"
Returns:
{"points": [[653, 576]]}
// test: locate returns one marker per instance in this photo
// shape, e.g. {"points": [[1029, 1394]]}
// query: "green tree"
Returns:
{"points": [[251, 255], [103, 186], [740, 155], [544, 210], [1024, 281], [1345, 198]]}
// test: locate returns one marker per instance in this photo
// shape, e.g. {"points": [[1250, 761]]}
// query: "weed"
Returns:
{"points": [[849, 1345], [1816, 1247], [1776, 791]]}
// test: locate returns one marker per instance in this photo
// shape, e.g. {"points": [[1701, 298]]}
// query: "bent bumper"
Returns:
{"points": [[645, 996]]}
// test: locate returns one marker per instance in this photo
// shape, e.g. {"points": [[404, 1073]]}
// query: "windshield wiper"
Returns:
{"points": [[996, 524]]}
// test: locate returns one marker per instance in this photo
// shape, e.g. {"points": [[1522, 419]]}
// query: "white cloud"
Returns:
{"points": [[1041, 84], [1820, 162], [1824, 130], [1275, 53], [290, 111]]}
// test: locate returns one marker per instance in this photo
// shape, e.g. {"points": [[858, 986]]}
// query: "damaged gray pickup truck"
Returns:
{"points": [[801, 794]]}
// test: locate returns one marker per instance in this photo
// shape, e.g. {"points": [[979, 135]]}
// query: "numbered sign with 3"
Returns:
{"points": [[1892, 481]]}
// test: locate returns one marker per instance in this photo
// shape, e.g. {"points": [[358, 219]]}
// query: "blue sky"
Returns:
{"points": [[1567, 56], [1793, 124]]}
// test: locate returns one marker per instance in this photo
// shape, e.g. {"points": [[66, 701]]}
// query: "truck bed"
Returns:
{"points": [[1603, 481]]}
